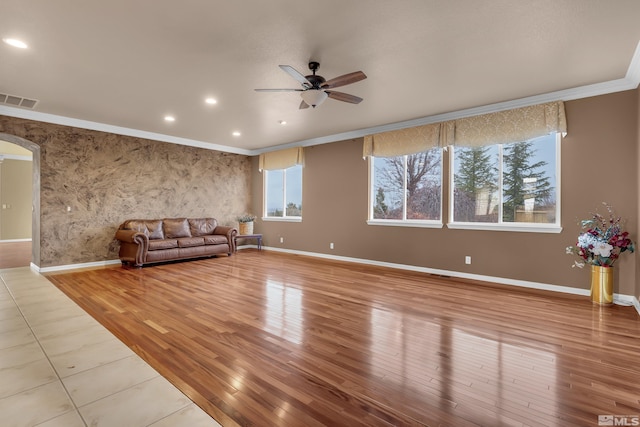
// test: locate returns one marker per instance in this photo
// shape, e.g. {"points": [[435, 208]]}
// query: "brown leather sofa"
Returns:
{"points": [[146, 241]]}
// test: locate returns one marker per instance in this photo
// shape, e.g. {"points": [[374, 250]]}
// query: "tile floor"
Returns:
{"points": [[60, 367]]}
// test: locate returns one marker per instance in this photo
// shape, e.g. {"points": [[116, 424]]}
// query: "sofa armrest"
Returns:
{"points": [[133, 246], [132, 236], [230, 232]]}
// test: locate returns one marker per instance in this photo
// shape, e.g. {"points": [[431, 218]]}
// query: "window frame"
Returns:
{"points": [[419, 223], [265, 185], [508, 226]]}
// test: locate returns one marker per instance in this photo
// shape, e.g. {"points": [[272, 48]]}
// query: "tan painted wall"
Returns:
{"points": [[15, 199], [599, 163], [106, 178]]}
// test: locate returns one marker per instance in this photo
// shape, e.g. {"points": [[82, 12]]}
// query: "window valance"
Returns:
{"points": [[281, 159], [494, 128], [519, 124], [405, 141]]}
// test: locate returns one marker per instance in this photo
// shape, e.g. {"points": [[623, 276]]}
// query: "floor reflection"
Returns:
{"points": [[284, 316], [454, 367]]}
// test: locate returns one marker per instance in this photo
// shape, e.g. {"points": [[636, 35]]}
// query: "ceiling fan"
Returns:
{"points": [[315, 89]]}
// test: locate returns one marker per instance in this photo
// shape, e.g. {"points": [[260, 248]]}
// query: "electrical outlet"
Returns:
{"points": [[467, 260], [331, 245], [282, 240]]}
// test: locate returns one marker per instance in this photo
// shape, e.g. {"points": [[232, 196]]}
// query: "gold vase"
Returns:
{"points": [[601, 285]]}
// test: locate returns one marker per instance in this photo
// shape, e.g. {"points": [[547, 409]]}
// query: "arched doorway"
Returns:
{"points": [[35, 211]]}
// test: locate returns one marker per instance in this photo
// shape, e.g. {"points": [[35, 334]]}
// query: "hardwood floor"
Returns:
{"points": [[269, 339], [15, 254]]}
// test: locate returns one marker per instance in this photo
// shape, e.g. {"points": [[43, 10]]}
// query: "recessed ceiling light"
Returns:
{"points": [[236, 133], [211, 101], [169, 119], [16, 43], [282, 122]]}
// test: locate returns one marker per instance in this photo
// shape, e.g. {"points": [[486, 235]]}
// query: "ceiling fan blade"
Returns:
{"points": [[341, 96], [343, 80], [296, 75], [303, 105], [279, 90]]}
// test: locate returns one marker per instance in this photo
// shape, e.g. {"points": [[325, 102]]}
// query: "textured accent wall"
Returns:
{"points": [[104, 179]]}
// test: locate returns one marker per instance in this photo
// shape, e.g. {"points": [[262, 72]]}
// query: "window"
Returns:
{"points": [[283, 193], [507, 185], [406, 190]]}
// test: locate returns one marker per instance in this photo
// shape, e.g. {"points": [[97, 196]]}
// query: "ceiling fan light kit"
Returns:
{"points": [[314, 97], [314, 87]]}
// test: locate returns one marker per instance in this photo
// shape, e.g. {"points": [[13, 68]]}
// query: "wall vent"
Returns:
{"points": [[17, 101]]}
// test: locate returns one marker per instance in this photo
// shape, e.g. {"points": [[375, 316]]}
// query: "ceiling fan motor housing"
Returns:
{"points": [[315, 80]]}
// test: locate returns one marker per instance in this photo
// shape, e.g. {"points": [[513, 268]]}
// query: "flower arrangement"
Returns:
{"points": [[246, 218], [601, 241]]}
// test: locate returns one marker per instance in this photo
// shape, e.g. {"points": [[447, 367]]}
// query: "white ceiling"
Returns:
{"points": [[122, 65]]}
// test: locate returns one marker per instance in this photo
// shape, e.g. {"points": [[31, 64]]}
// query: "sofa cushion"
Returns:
{"points": [[175, 228], [155, 229], [151, 227], [187, 242], [202, 226], [215, 239], [158, 244]]}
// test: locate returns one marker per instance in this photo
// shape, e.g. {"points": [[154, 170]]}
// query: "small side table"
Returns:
{"points": [[258, 238]]}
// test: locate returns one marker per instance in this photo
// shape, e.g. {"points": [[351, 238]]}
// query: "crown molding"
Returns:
{"points": [[15, 157], [118, 130], [629, 82], [633, 72]]}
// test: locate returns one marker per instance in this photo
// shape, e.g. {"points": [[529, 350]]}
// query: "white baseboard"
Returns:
{"points": [[74, 266], [636, 304], [619, 298], [247, 247]]}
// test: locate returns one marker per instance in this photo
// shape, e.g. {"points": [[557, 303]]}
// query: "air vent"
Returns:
{"points": [[17, 101]]}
